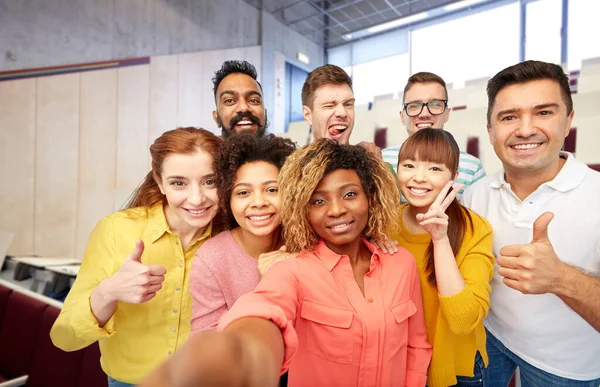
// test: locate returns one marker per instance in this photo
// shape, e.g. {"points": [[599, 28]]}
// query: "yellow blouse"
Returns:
{"points": [[138, 336]]}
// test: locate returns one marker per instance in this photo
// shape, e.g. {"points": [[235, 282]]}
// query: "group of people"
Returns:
{"points": [[244, 261]]}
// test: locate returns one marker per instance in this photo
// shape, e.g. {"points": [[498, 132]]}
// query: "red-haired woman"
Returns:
{"points": [[132, 292]]}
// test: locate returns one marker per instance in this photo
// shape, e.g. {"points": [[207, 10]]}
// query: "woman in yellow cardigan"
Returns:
{"points": [[132, 292], [453, 249]]}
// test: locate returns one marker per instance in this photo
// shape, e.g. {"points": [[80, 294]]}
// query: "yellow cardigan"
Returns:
{"points": [[138, 336], [455, 323]]}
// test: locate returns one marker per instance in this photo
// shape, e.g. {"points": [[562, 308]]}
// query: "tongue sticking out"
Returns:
{"points": [[336, 130]]}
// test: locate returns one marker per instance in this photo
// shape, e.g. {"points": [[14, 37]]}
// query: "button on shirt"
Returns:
{"points": [[333, 334], [542, 329], [138, 336]]}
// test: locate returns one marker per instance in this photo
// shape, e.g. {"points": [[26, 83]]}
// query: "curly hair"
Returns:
{"points": [[241, 149], [305, 169], [233, 67]]}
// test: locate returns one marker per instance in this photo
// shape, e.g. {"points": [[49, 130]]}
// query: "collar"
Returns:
{"points": [[157, 225], [569, 177], [330, 259]]}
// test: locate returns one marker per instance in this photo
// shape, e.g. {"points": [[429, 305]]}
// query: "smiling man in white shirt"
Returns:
{"points": [[544, 206]]}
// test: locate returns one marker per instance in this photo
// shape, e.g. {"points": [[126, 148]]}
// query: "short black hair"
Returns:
{"points": [[530, 70], [241, 149], [232, 67]]}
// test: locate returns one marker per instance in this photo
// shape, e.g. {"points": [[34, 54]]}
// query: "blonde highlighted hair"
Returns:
{"points": [[305, 169]]}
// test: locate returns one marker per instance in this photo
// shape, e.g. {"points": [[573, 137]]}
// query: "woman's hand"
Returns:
{"points": [[266, 260], [435, 220], [387, 245]]}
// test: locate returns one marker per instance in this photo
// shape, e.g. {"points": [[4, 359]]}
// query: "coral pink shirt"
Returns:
{"points": [[333, 334]]}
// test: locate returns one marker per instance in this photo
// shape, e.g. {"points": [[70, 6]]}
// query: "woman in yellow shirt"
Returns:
{"points": [[132, 292], [453, 249]]}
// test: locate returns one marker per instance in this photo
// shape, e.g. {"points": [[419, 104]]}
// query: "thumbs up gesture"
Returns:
{"points": [[134, 282], [533, 268]]}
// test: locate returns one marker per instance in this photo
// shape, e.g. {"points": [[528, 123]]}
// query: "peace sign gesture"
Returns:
{"points": [[435, 220]]}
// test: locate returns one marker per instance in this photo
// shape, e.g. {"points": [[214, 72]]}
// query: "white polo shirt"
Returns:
{"points": [[542, 329]]}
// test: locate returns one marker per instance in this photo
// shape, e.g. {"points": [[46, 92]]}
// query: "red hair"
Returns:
{"points": [[181, 140]]}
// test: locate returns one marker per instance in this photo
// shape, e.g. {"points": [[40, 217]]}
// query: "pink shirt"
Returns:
{"points": [[333, 334], [221, 273]]}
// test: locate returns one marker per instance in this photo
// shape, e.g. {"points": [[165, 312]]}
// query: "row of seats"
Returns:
{"points": [[28, 357]]}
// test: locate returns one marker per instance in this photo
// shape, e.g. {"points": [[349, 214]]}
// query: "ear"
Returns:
{"points": [[448, 110], [159, 184], [215, 116], [569, 123], [490, 135], [307, 113], [456, 176]]}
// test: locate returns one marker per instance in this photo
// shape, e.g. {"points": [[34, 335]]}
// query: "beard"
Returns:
{"points": [[228, 131]]}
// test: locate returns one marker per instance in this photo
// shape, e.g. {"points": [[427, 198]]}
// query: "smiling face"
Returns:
{"points": [[255, 198], [339, 209], [332, 112], [424, 92], [528, 126], [421, 181], [188, 182], [240, 105]]}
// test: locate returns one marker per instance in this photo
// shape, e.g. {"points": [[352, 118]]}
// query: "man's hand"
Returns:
{"points": [[533, 268]]}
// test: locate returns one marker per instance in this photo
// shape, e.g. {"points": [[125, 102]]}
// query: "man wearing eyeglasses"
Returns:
{"points": [[425, 105]]}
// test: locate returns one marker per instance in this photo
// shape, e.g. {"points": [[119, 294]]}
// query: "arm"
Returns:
{"points": [[208, 301], [479, 172], [465, 310], [419, 349], [249, 353], [581, 292], [77, 327]]}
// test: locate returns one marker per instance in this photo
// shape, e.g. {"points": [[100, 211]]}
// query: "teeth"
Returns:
{"points": [[339, 127], [340, 225], [244, 122], [526, 146], [259, 218], [197, 212], [419, 190], [426, 125]]}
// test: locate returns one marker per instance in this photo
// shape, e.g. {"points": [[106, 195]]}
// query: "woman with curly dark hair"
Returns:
{"points": [[342, 313], [247, 170]]}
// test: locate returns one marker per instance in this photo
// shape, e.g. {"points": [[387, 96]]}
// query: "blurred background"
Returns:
{"points": [[86, 85]]}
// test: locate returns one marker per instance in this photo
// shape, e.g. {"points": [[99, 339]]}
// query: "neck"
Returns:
{"points": [[355, 250], [186, 233], [524, 183], [255, 245], [409, 218]]}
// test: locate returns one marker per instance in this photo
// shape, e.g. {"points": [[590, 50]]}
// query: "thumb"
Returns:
{"points": [[136, 254], [540, 227], [283, 248]]}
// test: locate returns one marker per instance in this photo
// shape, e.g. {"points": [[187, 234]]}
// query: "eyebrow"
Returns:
{"points": [[536, 107], [334, 101], [345, 186], [232, 92], [248, 184], [177, 177]]}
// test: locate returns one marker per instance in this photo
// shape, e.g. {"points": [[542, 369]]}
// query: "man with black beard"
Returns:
{"points": [[238, 99]]}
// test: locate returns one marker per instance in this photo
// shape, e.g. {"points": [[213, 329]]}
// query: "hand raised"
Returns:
{"points": [[266, 260], [134, 282], [533, 268], [435, 220]]}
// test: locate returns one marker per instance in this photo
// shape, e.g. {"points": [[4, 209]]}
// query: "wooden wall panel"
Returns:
{"points": [[133, 155], [97, 151], [163, 95], [56, 166], [17, 157], [191, 80]]}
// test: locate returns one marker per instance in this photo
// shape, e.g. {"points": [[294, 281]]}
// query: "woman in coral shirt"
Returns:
{"points": [[342, 313]]}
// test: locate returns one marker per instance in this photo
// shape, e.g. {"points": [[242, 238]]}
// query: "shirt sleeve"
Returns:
{"points": [[479, 173], [76, 326], [419, 350], [276, 298], [208, 301], [465, 310]]}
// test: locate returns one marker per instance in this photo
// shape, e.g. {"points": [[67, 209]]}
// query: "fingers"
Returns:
{"points": [[512, 250], [510, 262], [136, 254], [156, 270], [438, 221], [451, 196], [540, 227]]}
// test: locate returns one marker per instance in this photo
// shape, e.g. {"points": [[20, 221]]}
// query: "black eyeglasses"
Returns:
{"points": [[435, 107]]}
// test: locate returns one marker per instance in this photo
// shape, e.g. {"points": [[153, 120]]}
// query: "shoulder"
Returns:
{"points": [[403, 258], [480, 224], [216, 247], [469, 161]]}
